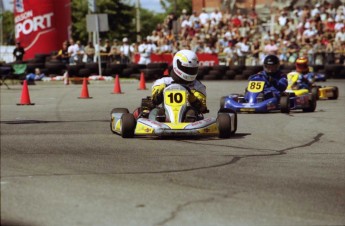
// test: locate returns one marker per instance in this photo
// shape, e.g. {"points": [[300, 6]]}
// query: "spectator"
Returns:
{"points": [[72, 50], [107, 46], [194, 17], [80, 52], [255, 51], [204, 17], [230, 54], [340, 35], [319, 50], [293, 49], [271, 48], [216, 15], [115, 53], [90, 52], [35, 76], [18, 52], [166, 47], [341, 52], [63, 53], [126, 51], [242, 50], [145, 50]]}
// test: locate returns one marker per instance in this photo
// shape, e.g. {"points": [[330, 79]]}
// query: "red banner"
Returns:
{"points": [[41, 25], [205, 59]]}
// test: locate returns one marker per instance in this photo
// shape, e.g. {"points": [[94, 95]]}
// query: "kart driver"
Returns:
{"points": [[184, 72], [275, 80], [305, 75]]}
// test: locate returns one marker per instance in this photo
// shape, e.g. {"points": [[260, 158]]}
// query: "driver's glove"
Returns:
{"points": [[157, 94], [198, 100]]}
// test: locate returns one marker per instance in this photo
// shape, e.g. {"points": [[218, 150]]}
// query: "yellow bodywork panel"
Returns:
{"points": [[143, 129]]}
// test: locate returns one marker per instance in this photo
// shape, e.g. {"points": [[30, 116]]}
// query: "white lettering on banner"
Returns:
{"points": [[38, 22], [23, 16], [207, 63]]}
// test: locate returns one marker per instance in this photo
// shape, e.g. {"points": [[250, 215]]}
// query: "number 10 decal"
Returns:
{"points": [[175, 97]]}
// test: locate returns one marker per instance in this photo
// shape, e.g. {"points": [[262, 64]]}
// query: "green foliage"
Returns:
{"points": [[176, 6], [8, 28], [121, 19], [149, 22]]}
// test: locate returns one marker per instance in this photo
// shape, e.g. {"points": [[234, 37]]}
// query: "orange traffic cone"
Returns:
{"points": [[66, 78], [25, 98], [84, 91], [166, 72], [117, 86], [142, 84]]}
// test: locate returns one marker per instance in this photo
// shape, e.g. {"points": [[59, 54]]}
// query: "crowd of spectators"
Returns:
{"points": [[317, 32]]}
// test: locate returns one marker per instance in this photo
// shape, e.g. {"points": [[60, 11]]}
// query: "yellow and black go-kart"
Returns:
{"points": [[175, 105], [320, 92]]}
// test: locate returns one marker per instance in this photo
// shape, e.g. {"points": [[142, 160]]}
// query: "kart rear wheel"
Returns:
{"points": [[335, 91], [224, 125], [128, 125], [284, 104], [117, 110], [312, 104]]}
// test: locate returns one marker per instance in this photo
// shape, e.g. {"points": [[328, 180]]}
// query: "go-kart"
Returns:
{"points": [[255, 100], [321, 92], [327, 92], [175, 104], [300, 98]]}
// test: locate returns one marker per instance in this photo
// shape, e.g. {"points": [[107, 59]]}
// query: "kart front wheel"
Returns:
{"points": [[116, 110], [284, 104], [222, 101], [224, 125], [119, 110], [128, 124]]}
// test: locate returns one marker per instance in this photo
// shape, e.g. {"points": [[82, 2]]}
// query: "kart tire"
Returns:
{"points": [[117, 110], [312, 105], [128, 125], [284, 104], [229, 110], [335, 93], [315, 92], [224, 125], [222, 101]]}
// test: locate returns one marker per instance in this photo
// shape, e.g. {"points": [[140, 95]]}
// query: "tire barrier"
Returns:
{"points": [[155, 70]]}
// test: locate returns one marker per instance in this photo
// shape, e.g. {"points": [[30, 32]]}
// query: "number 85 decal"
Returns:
{"points": [[255, 86]]}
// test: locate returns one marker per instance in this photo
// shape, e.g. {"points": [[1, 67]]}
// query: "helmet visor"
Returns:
{"points": [[301, 66], [187, 70], [271, 68]]}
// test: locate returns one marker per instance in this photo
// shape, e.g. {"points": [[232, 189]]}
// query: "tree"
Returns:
{"points": [[176, 6], [8, 28], [121, 19]]}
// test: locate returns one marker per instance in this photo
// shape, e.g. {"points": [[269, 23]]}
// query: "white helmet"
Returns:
{"points": [[186, 65]]}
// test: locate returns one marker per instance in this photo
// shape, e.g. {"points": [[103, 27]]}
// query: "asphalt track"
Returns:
{"points": [[61, 165]]}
